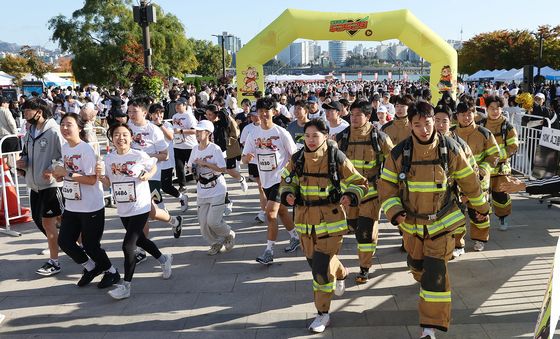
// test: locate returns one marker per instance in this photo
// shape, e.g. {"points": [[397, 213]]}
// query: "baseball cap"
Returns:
{"points": [[312, 99], [382, 109], [375, 97], [540, 95], [89, 105], [386, 95], [205, 125], [182, 100], [253, 110], [333, 105]]}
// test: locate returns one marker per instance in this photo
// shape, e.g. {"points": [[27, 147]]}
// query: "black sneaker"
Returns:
{"points": [[109, 279], [140, 257], [48, 269], [177, 229], [88, 276]]}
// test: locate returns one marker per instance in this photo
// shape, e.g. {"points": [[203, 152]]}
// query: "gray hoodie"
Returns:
{"points": [[40, 151]]}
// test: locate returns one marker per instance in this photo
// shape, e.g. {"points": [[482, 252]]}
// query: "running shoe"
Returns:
{"points": [[478, 246], [292, 246], [166, 266], [229, 241], [120, 292], [88, 276], [320, 323], [266, 258], [48, 269], [215, 249], [177, 229], [184, 203], [243, 184], [140, 257], [109, 279]]}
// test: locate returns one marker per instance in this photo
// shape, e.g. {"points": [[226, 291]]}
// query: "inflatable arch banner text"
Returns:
{"points": [[295, 24]]}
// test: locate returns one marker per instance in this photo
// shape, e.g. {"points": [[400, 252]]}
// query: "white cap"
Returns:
{"points": [[382, 108], [540, 95], [205, 125]]}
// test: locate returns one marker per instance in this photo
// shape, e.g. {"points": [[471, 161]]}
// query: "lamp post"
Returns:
{"points": [[539, 36], [144, 15], [223, 36]]}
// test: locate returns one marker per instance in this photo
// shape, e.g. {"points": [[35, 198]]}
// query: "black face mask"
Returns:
{"points": [[33, 120]]}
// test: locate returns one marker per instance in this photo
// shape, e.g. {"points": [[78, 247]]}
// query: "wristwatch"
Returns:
{"points": [[70, 174]]}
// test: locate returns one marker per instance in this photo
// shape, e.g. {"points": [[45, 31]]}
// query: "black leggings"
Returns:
{"points": [[181, 158], [91, 226], [167, 182], [134, 236]]}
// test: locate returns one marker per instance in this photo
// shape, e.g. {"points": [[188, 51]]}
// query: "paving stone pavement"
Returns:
{"points": [[497, 293]]}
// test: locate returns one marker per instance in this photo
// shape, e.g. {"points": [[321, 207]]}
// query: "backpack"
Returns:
{"points": [[335, 157], [374, 142]]}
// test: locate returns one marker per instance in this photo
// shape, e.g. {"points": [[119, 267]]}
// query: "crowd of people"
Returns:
{"points": [[327, 159]]}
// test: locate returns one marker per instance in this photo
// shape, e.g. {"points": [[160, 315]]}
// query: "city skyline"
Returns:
{"points": [[200, 23]]}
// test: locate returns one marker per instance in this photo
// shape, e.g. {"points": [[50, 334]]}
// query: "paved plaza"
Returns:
{"points": [[496, 293]]}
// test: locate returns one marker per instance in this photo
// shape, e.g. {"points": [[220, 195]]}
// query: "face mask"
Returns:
{"points": [[33, 120]]}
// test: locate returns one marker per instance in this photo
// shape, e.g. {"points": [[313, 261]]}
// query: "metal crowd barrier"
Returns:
{"points": [[11, 158], [529, 138]]}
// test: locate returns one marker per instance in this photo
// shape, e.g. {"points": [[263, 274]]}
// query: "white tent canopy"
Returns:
{"points": [[6, 75], [508, 76], [5, 81], [302, 77]]}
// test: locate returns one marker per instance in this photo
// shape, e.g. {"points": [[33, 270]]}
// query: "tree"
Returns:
{"points": [[15, 65], [506, 49], [64, 64], [209, 57], [105, 42], [37, 66]]}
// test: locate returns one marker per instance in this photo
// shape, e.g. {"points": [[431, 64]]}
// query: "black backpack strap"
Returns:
{"points": [[375, 145], [345, 137], [406, 158], [299, 161], [333, 159]]}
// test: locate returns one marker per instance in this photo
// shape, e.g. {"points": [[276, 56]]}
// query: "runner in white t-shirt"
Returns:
{"points": [[166, 167], [183, 140], [272, 146], [252, 166], [84, 212], [208, 164], [149, 138], [334, 122], [128, 170]]}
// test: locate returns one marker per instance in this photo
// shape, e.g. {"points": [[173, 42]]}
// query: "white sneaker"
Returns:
{"points": [[504, 225], [458, 252], [478, 246], [215, 249], [243, 184], [261, 217], [120, 292], [428, 333], [184, 203], [320, 323], [166, 266], [339, 288], [229, 208], [229, 241]]}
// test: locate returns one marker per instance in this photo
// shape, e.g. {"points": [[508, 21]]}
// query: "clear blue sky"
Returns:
{"points": [[25, 22]]}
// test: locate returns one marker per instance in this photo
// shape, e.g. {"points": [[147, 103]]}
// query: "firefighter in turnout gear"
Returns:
{"points": [[486, 154], [367, 149], [319, 180], [416, 192], [398, 129], [506, 138]]}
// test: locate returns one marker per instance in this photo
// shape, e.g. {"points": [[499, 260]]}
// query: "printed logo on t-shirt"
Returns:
{"points": [[69, 162], [139, 139], [266, 143], [179, 121], [123, 169]]}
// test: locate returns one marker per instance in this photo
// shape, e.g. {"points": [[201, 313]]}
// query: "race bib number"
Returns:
{"points": [[178, 138], [71, 190], [267, 162], [124, 192]]}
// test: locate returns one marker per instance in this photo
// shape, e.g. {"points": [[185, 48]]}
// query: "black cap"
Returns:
{"points": [[333, 105], [182, 100], [118, 113], [375, 97]]}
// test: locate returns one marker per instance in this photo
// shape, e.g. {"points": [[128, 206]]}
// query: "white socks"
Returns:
{"points": [[112, 270], [54, 262], [269, 245], [293, 233], [89, 265], [174, 221], [162, 259]]}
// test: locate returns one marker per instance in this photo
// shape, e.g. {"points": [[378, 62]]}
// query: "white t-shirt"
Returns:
{"points": [[132, 195], [184, 121], [212, 154], [148, 138], [333, 131], [170, 162], [245, 133], [78, 197], [272, 149]]}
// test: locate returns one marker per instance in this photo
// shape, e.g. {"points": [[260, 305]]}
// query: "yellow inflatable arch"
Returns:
{"points": [[294, 24]]}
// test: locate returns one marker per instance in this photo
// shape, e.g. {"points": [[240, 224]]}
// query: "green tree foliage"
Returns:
{"points": [[37, 66], [105, 42], [15, 65], [506, 49], [209, 57], [148, 85]]}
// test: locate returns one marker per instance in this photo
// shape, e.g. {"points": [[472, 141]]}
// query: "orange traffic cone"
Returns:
{"points": [[12, 202]]}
